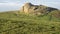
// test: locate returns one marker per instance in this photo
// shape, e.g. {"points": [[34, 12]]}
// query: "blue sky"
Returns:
{"points": [[6, 5]]}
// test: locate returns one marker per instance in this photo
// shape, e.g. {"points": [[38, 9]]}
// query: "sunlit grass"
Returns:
{"points": [[11, 23]]}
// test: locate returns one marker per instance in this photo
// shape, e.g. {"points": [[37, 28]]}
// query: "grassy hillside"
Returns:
{"points": [[12, 23]]}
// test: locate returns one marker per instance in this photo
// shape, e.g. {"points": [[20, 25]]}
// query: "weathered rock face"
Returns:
{"points": [[29, 8]]}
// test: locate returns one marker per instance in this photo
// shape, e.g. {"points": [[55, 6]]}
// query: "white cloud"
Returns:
{"points": [[52, 4], [10, 4]]}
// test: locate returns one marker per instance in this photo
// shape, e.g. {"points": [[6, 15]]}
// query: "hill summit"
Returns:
{"points": [[15, 22]]}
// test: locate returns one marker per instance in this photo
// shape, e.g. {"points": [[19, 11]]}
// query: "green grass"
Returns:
{"points": [[11, 23]]}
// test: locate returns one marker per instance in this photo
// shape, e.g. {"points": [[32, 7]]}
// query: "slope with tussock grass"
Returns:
{"points": [[12, 23]]}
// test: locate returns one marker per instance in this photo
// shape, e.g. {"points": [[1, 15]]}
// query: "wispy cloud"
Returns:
{"points": [[9, 4]]}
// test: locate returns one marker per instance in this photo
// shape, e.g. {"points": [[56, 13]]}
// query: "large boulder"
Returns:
{"points": [[29, 8]]}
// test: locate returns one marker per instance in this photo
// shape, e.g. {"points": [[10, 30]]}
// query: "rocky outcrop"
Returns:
{"points": [[29, 8]]}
